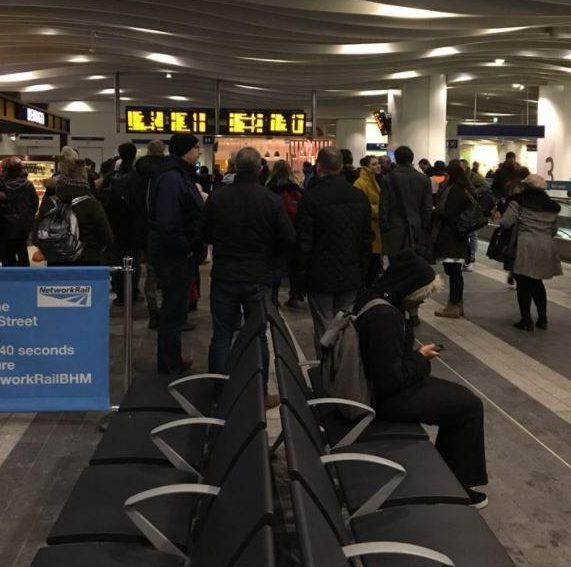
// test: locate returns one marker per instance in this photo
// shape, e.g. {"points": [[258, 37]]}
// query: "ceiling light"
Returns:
{"points": [[48, 31], [125, 98], [79, 59], [38, 88], [379, 92], [169, 75], [78, 106], [109, 91], [495, 119], [442, 52], [462, 78], [365, 48], [96, 77], [178, 97], [499, 61], [147, 30], [249, 87], [518, 87], [262, 60], [404, 75], [389, 11], [163, 58], [491, 31], [18, 77]]}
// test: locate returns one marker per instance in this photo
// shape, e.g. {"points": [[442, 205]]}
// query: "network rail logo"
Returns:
{"points": [[64, 295]]}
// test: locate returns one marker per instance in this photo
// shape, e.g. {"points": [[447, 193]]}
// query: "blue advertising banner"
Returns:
{"points": [[54, 339]]}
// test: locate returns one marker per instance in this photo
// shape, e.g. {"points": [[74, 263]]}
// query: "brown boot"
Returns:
{"points": [[451, 311]]}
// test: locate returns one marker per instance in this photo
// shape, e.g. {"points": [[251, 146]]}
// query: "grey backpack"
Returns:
{"points": [[57, 235], [341, 365]]}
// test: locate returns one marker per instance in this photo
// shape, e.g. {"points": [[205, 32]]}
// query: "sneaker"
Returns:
{"points": [[478, 500], [468, 267], [272, 401]]}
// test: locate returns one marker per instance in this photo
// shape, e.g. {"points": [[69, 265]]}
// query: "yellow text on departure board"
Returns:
{"points": [[145, 120], [194, 122], [246, 123]]}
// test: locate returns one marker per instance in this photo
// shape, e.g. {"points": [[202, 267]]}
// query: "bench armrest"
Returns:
{"points": [[159, 540], [353, 434], [397, 548], [184, 402], [168, 451], [379, 497]]}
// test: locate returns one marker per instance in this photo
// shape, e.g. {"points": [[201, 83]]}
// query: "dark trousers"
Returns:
{"points": [[120, 251], [16, 253], [459, 415], [227, 301], [454, 272], [175, 277], [529, 289], [374, 269]]}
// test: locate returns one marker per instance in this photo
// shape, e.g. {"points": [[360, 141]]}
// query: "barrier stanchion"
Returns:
{"points": [[128, 322]]}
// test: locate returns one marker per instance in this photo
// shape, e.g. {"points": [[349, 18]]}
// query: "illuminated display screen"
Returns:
{"points": [[195, 122], [33, 115], [146, 120], [263, 123]]}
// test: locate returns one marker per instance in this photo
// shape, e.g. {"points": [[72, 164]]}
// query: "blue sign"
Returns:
{"points": [[54, 339], [371, 147], [501, 131]]}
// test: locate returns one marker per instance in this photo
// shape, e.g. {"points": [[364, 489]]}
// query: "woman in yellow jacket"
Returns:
{"points": [[367, 183]]}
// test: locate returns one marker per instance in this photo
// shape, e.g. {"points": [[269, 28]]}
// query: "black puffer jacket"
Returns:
{"points": [[334, 236], [148, 169], [18, 208]]}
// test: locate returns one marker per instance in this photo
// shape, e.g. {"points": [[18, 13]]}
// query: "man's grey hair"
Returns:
{"points": [[248, 159], [330, 159]]}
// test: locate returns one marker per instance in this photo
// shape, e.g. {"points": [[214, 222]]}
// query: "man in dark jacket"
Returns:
{"points": [[175, 245], [18, 209], [402, 388], [405, 208], [349, 171], [333, 243], [247, 226], [504, 174]]}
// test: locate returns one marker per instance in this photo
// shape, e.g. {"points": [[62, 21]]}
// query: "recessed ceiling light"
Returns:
{"points": [[405, 75], [169, 75], [262, 60], [79, 59], [442, 52], [491, 31], [18, 77], [379, 92], [109, 91], [148, 30], [462, 78], [48, 31], [249, 87], [164, 58], [499, 61], [518, 87], [178, 97], [126, 98], [365, 48], [38, 88], [389, 11], [78, 106], [96, 77]]}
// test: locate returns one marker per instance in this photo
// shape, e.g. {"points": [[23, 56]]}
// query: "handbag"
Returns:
{"points": [[503, 245], [472, 218]]}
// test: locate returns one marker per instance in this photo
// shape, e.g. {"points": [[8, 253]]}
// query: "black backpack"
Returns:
{"points": [[57, 234]]}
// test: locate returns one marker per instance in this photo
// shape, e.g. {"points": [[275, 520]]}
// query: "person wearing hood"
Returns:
{"points": [[403, 389], [367, 183], [349, 171], [94, 230], [148, 169], [18, 208], [534, 216], [175, 245]]}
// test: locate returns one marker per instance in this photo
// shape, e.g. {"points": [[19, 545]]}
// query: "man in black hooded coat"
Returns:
{"points": [[403, 389]]}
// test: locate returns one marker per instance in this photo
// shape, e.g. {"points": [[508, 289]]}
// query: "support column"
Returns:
{"points": [[352, 135], [419, 117], [554, 112], [117, 100]]}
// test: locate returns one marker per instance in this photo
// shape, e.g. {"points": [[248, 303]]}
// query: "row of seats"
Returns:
{"points": [[165, 489], [382, 492]]}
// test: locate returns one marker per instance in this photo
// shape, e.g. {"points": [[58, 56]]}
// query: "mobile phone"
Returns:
{"points": [[439, 347]]}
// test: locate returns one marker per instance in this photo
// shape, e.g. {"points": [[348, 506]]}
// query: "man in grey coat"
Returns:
{"points": [[405, 209]]}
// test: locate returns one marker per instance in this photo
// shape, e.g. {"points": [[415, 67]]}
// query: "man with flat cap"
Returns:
{"points": [[175, 245]]}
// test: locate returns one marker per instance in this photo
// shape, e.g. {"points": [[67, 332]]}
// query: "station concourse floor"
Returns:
{"points": [[523, 378]]}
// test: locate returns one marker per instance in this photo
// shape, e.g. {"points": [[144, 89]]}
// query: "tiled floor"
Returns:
{"points": [[524, 379]]}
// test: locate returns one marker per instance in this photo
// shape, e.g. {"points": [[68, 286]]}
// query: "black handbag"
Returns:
{"points": [[472, 218], [503, 246]]}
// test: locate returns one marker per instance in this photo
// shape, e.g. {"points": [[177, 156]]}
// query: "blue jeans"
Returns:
{"points": [[175, 278], [472, 247], [227, 300]]}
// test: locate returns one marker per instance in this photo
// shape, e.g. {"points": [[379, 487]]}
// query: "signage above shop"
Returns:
{"points": [[371, 147], [501, 131], [33, 115], [19, 118], [262, 122]]}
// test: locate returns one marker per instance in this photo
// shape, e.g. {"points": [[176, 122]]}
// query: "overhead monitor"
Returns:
{"points": [[189, 121], [262, 122], [146, 120]]}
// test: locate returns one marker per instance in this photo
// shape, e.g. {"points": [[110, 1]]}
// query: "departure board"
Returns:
{"points": [[263, 123], [149, 120], [185, 121]]}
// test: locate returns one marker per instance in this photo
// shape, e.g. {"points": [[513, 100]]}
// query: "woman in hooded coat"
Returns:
{"points": [[402, 388]]}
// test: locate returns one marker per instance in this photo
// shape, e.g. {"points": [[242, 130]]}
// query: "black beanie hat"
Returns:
{"points": [[181, 144], [127, 152]]}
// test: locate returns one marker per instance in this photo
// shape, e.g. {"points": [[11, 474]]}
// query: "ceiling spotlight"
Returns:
{"points": [[12, 137], [109, 91], [78, 106], [17, 77], [495, 119], [164, 58], [178, 97], [169, 75], [96, 77], [518, 87], [462, 78], [79, 59], [151, 31], [38, 88], [442, 52], [499, 62], [404, 75]]}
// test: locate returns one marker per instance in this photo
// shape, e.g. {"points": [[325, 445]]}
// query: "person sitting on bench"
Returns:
{"points": [[402, 387]]}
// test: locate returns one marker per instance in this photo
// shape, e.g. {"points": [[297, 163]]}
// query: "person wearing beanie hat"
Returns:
{"points": [[175, 245], [402, 388]]}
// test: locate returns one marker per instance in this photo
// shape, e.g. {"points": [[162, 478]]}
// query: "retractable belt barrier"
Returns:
{"points": [[54, 337]]}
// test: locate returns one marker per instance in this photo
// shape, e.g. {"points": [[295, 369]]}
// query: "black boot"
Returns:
{"points": [[524, 325]]}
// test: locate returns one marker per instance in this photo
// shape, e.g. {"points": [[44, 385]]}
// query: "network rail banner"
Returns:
{"points": [[54, 339]]}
